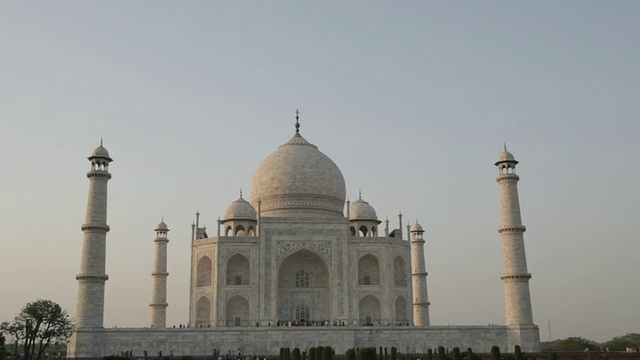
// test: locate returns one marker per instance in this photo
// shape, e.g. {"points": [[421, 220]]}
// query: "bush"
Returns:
{"points": [[518, 352], [350, 354], [495, 353], [456, 354], [366, 354], [327, 353]]}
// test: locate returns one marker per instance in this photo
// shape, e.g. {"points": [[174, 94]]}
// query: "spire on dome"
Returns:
{"points": [[297, 121], [240, 193]]}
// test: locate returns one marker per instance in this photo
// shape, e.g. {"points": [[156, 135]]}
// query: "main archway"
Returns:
{"points": [[303, 288]]}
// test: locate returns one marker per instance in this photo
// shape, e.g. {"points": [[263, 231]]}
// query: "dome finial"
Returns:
{"points": [[297, 121], [100, 141], [360, 194], [505, 146], [240, 193]]}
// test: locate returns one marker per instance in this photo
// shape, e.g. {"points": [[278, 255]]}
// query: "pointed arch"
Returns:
{"points": [[369, 310], [368, 270], [238, 270], [400, 272], [304, 278], [363, 231], [239, 231], [203, 311], [237, 311], [401, 309], [204, 276]]}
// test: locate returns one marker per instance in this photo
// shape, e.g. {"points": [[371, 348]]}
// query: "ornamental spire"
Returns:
{"points": [[297, 121]]}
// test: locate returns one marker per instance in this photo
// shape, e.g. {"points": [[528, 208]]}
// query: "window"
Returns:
{"points": [[238, 279], [302, 279], [367, 280], [302, 312]]}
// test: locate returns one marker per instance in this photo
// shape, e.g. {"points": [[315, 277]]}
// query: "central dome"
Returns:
{"points": [[298, 180]]}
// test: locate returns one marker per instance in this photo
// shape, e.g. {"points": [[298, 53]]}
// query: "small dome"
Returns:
{"points": [[240, 209], [361, 210], [417, 228], [100, 152], [162, 226], [506, 156]]}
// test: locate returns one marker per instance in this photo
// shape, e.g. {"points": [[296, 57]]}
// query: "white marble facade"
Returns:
{"points": [[295, 260]]}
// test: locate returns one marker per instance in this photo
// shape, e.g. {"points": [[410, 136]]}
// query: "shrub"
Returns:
{"points": [[495, 353], [350, 354], [366, 354], [456, 353]]}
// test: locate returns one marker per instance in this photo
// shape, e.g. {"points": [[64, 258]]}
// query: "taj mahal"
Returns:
{"points": [[297, 265]]}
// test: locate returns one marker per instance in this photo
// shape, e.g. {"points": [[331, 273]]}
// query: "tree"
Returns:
{"points": [[456, 354], [518, 352], [495, 353], [3, 350], [38, 324], [350, 354], [366, 354], [569, 344], [13, 331], [621, 343]]}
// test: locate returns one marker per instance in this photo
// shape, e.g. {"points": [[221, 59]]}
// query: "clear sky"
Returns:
{"points": [[413, 100]]}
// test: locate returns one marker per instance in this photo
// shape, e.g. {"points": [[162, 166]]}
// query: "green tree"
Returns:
{"points": [[327, 353], [495, 353], [621, 343], [13, 332], [456, 354], [429, 354], [441, 354], [38, 325], [296, 354], [350, 354], [518, 352], [366, 354], [3, 350], [312, 353], [569, 344], [394, 353]]}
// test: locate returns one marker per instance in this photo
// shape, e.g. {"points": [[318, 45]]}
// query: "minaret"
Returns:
{"points": [[515, 275], [159, 292], [92, 277], [419, 278]]}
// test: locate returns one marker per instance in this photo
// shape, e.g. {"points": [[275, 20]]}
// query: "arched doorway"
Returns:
{"points": [[303, 288], [370, 313], [237, 311]]}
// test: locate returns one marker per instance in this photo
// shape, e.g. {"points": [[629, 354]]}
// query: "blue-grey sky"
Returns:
{"points": [[413, 101]]}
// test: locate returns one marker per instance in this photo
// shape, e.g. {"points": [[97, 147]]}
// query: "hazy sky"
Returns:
{"points": [[413, 100]]}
